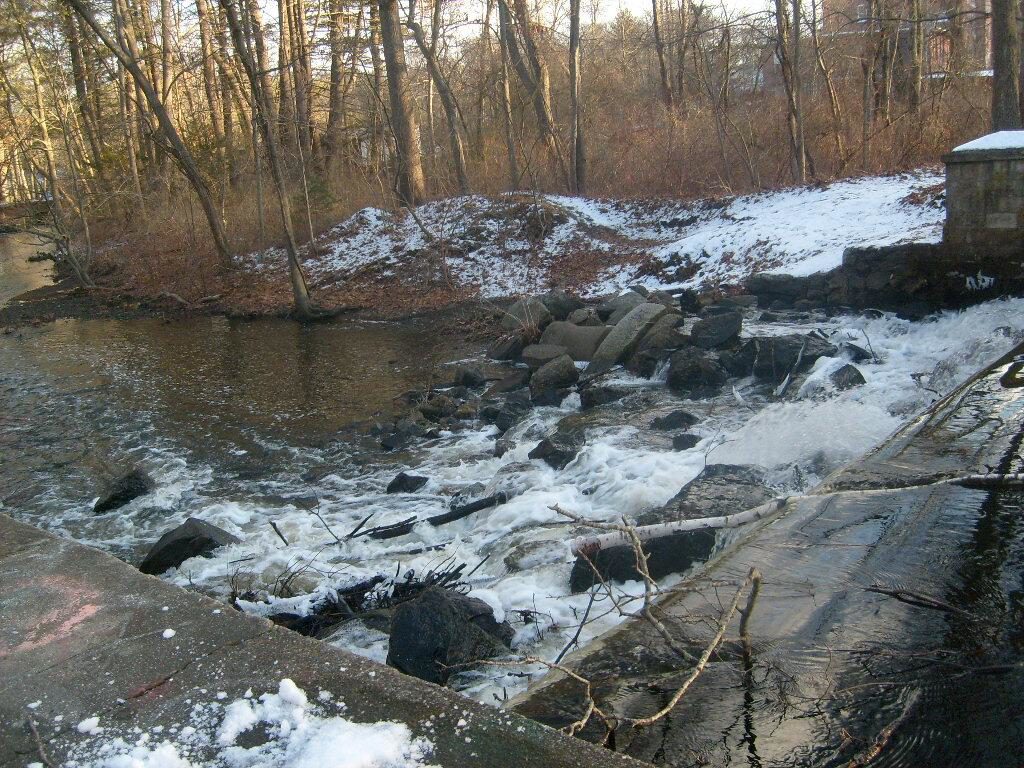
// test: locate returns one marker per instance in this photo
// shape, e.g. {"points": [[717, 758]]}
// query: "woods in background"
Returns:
{"points": [[138, 118]]}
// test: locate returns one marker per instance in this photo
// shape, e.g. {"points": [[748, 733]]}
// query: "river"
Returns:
{"points": [[247, 422]]}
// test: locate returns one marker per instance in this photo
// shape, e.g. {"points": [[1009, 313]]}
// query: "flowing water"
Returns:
{"points": [[247, 422]]}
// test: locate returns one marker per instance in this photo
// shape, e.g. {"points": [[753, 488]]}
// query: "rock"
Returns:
{"points": [[740, 300], [717, 330], [440, 629], [548, 383], [579, 342], [675, 420], [560, 304], [778, 290], [855, 353], [406, 483], [689, 301], [585, 316], [598, 394], [559, 449], [768, 317], [404, 432], [776, 356], [532, 554], [526, 314], [469, 376], [720, 489], [517, 379], [489, 412], [626, 301], [695, 373], [193, 538], [685, 441], [467, 411], [665, 555], [516, 406], [437, 407], [662, 297], [847, 377], [621, 342], [537, 355], [124, 490], [663, 338], [507, 347]]}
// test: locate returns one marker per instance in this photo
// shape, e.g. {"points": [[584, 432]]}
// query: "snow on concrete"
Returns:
{"points": [[299, 734], [510, 245], [997, 140]]}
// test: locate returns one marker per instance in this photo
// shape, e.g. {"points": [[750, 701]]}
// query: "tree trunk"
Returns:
{"points": [[410, 182], [335, 99], [1006, 62], [579, 156], [506, 118], [262, 112], [659, 48], [210, 84], [181, 153], [448, 104], [533, 75]]}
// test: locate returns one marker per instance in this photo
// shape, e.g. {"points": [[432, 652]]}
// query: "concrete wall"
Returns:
{"points": [[985, 199]]}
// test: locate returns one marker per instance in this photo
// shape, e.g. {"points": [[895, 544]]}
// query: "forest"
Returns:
{"points": [[186, 134]]}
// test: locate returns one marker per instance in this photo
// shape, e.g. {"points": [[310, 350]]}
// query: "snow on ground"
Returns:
{"points": [[300, 734], [512, 245]]}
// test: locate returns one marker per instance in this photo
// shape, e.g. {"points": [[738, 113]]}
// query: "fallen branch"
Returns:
{"points": [[405, 526], [753, 578], [619, 536]]}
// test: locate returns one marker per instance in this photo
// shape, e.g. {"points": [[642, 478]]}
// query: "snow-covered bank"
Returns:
{"points": [[514, 245], [297, 733]]}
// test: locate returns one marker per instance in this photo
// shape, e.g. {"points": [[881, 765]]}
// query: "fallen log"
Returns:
{"points": [[405, 526]]}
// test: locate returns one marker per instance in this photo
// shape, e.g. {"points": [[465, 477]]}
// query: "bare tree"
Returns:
{"points": [[177, 147], [410, 184], [1006, 66]]}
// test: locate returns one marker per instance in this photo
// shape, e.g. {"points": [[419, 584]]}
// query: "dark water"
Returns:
{"points": [[231, 406]]}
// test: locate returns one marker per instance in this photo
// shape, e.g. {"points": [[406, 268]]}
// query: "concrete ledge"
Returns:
{"points": [[82, 633]]}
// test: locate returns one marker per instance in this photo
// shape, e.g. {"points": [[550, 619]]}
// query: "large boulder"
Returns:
{"points": [[469, 376], [775, 357], [847, 377], [560, 304], [716, 330], [441, 629], [406, 483], [193, 538], [579, 342], [508, 346], [585, 316], [514, 380], [665, 555], [663, 338], [675, 420], [515, 407], [695, 373], [537, 355], [558, 449], [550, 382], [620, 343], [594, 395], [719, 489], [622, 303], [526, 314], [124, 490]]}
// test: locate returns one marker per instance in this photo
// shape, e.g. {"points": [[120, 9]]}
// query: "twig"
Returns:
{"points": [[885, 736], [704, 658], [278, 532], [43, 756], [579, 629]]}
